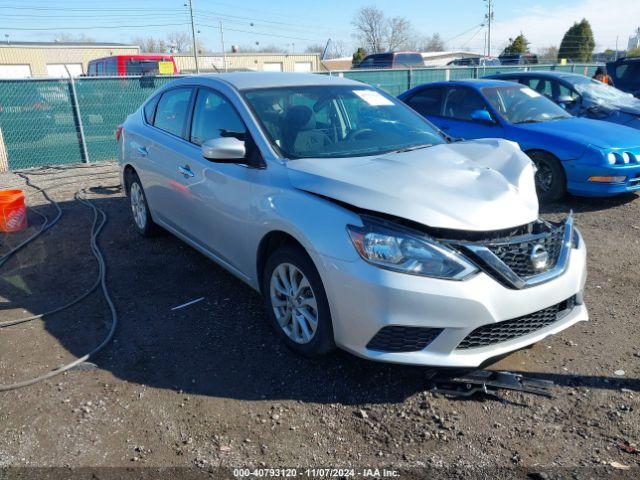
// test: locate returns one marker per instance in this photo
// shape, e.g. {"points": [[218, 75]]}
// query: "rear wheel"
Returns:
{"points": [[551, 182], [296, 302], [139, 208]]}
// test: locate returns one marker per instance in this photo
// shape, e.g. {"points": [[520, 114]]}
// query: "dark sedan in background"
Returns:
{"points": [[581, 96]]}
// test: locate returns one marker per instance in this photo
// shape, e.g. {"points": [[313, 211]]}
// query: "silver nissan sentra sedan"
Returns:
{"points": [[361, 224]]}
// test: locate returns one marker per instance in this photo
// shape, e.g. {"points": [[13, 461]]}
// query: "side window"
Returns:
{"points": [[366, 63], [99, 68], [92, 68], [540, 85], [215, 117], [149, 109], [462, 102], [564, 91], [111, 68], [172, 110], [427, 101]]}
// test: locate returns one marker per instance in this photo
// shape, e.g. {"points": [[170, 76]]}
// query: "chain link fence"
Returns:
{"points": [[63, 121]]}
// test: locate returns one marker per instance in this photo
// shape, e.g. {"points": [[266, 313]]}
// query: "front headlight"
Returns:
{"points": [[400, 250], [612, 158]]}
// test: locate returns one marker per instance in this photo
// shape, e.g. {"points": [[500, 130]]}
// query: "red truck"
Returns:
{"points": [[122, 65]]}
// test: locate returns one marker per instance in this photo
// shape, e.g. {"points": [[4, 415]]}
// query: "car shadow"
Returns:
{"points": [[587, 204], [220, 346]]}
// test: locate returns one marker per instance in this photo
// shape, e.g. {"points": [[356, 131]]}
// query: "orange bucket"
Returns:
{"points": [[13, 213]]}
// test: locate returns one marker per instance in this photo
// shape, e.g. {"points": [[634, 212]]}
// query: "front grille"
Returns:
{"points": [[517, 256], [403, 339], [518, 327]]}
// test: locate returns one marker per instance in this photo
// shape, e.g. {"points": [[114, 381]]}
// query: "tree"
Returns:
{"points": [[578, 44], [634, 52], [358, 56], [548, 55], [432, 44], [181, 42], [69, 38], [380, 34], [399, 34], [316, 48], [151, 44], [371, 29], [520, 44]]}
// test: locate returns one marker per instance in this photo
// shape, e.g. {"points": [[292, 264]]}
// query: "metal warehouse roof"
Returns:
{"points": [[65, 44]]}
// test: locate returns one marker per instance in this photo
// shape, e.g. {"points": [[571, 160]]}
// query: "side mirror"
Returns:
{"points": [[224, 150], [482, 116], [565, 100]]}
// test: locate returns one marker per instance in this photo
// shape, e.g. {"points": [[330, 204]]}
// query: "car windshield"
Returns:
{"points": [[519, 104], [338, 121], [604, 94]]}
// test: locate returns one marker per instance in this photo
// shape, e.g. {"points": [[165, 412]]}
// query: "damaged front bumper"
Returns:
{"points": [[393, 317]]}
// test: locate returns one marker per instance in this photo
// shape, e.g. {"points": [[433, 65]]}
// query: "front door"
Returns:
{"points": [[456, 118], [219, 193]]}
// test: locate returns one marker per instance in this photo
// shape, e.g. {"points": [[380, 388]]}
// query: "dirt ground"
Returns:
{"points": [[211, 386]]}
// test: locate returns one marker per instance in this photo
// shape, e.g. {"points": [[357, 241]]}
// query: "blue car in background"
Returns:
{"points": [[581, 96], [579, 155]]}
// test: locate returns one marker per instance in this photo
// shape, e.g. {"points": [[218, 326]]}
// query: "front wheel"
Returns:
{"points": [[296, 302], [551, 182]]}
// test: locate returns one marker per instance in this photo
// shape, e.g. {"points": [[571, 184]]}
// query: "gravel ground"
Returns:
{"points": [[210, 385]]}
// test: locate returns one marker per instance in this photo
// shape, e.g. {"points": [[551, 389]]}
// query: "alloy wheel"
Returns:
{"points": [[294, 303], [544, 176], [138, 206]]}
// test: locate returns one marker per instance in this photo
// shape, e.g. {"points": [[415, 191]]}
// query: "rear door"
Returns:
{"points": [[162, 154], [456, 117]]}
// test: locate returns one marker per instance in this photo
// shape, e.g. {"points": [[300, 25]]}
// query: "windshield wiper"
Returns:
{"points": [[415, 147], [528, 120]]}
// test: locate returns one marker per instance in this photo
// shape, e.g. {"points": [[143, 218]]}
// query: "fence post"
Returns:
{"points": [[76, 112], [409, 78], [4, 157]]}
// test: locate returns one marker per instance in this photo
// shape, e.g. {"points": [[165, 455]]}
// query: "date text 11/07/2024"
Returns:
{"points": [[315, 472]]}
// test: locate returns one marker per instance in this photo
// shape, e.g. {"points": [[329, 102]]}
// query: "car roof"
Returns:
{"points": [[252, 80], [540, 74], [474, 83]]}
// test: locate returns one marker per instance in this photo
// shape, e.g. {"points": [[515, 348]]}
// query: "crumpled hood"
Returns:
{"points": [[477, 185]]}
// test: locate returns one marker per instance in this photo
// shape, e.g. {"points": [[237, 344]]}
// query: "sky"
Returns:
{"points": [[295, 24]]}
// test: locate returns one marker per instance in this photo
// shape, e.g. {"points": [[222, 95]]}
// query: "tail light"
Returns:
{"points": [[118, 132]]}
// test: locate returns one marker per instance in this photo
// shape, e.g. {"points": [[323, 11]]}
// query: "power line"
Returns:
{"points": [[92, 27]]}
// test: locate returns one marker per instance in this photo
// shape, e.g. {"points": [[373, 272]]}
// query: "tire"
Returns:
{"points": [[139, 209], [312, 299], [551, 181]]}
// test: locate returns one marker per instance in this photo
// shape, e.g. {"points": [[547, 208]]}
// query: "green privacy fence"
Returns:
{"points": [[44, 121], [41, 119], [397, 81]]}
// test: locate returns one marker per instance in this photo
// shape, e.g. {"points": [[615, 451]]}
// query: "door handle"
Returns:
{"points": [[186, 171], [142, 151]]}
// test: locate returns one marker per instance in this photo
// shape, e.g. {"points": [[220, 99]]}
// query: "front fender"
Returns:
{"points": [[562, 148]]}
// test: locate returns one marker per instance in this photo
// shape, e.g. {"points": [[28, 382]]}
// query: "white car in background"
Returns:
{"points": [[359, 222]]}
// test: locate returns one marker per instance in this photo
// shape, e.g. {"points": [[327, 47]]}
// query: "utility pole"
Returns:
{"points": [[616, 55], [489, 17], [193, 36], [224, 51]]}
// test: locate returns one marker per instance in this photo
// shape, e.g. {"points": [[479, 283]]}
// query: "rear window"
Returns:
{"points": [[146, 67], [409, 59]]}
